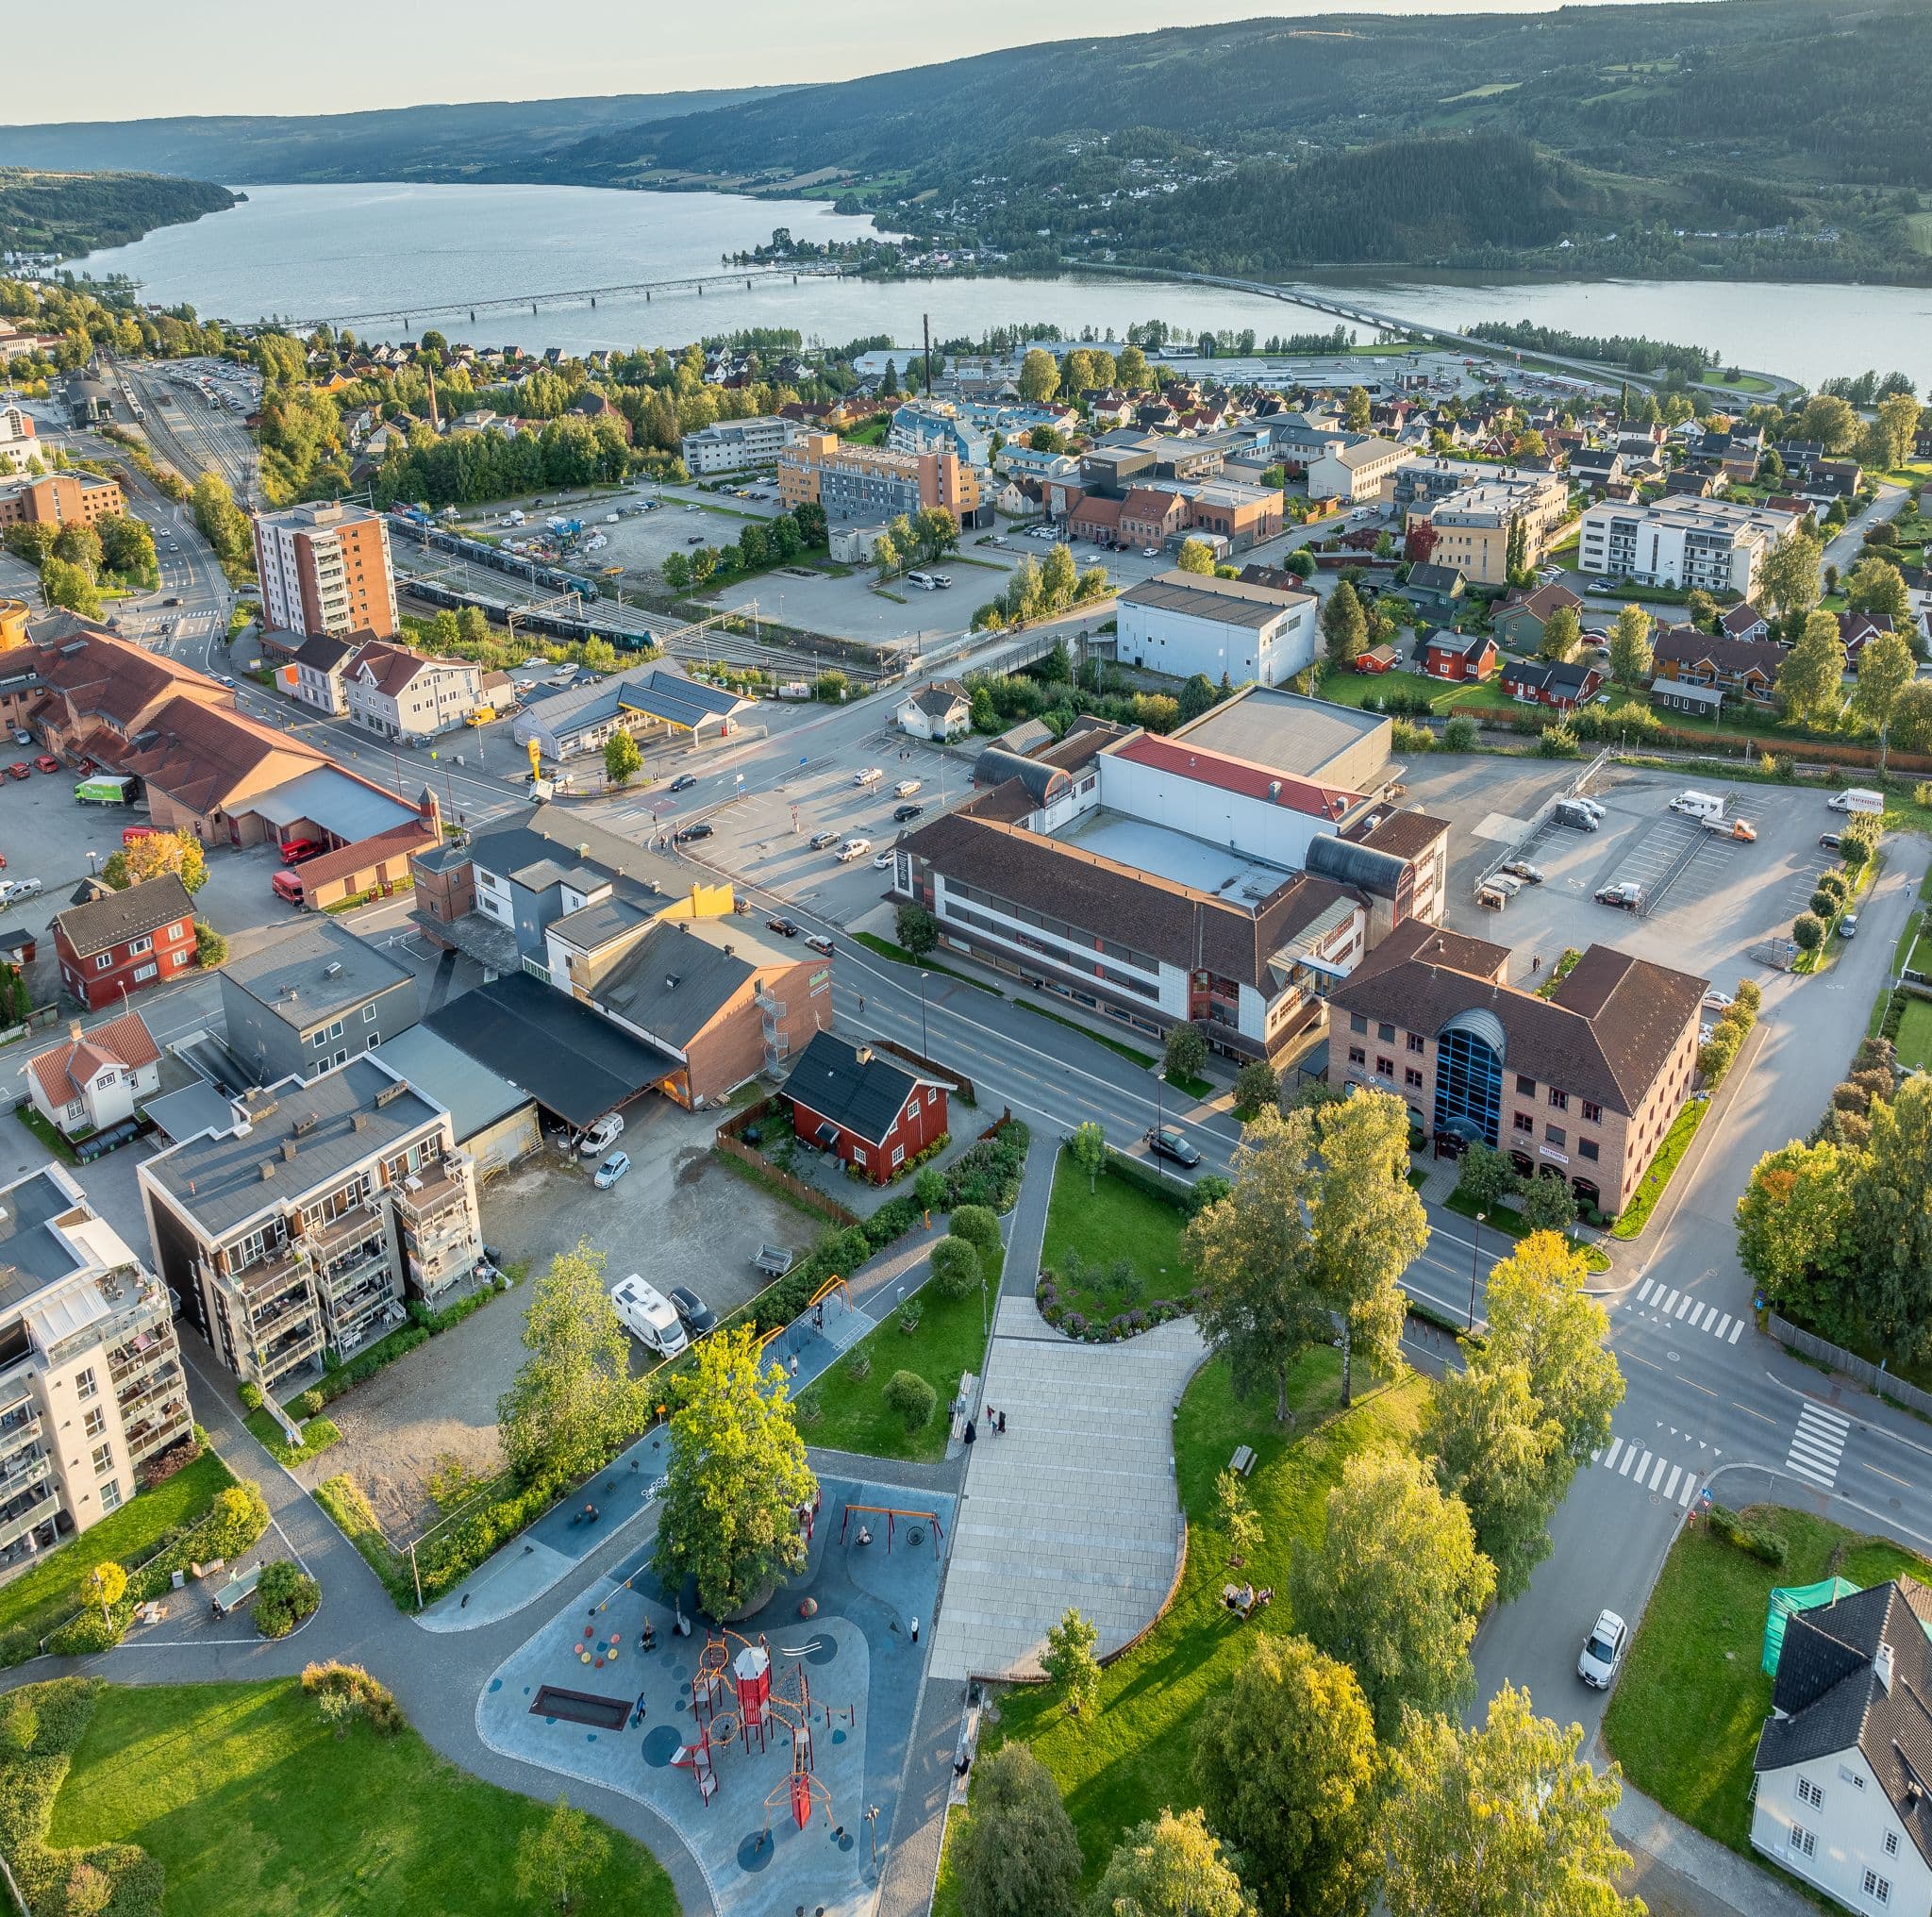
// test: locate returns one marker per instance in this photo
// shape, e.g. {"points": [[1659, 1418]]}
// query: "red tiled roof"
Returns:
{"points": [[1237, 775], [124, 1042], [413, 834]]}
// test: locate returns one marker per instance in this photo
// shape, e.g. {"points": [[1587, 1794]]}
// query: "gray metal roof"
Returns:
{"points": [[475, 1096], [336, 802], [195, 1109], [1349, 863], [218, 1181], [1282, 730], [315, 970], [31, 1258], [1226, 602]]}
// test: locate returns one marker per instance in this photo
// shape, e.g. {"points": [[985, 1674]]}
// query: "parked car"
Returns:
{"points": [[820, 841], [869, 776], [1718, 1001], [287, 886], [130, 833], [1858, 799], [20, 769], [785, 928], [612, 1169], [603, 1135], [906, 787], [84, 765], [903, 814], [1846, 925], [683, 782], [1626, 896], [648, 1316], [17, 888], [1732, 828], [1829, 841], [1523, 869], [820, 943], [21, 738], [1602, 1650], [47, 762], [1164, 1141], [698, 1316], [295, 850], [685, 834]]}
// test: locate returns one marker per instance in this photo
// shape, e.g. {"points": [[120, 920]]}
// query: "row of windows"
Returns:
{"points": [[1110, 975], [1555, 1134], [1525, 1086], [104, 960]]}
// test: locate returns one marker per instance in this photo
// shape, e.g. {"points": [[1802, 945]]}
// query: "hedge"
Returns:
{"points": [[423, 1325], [989, 1172]]}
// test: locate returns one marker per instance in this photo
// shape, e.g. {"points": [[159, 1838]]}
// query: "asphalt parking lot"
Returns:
{"points": [[1710, 899]]}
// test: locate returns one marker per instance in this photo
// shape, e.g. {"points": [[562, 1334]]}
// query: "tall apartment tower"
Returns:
{"points": [[325, 569]]}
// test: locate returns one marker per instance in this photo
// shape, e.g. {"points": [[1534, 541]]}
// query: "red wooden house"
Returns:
{"points": [[864, 1107], [1377, 659], [1459, 656], [126, 941], [1560, 687]]}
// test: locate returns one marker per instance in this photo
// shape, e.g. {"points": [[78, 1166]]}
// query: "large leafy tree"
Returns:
{"points": [[1562, 635], [1891, 1216], [1040, 376], [573, 1396], [1500, 1821], [1877, 586], [1542, 1319], [1370, 1225], [1017, 1855], [1286, 1761], [1253, 1255], [738, 1477], [1810, 681], [1630, 652], [1395, 1586], [1789, 575], [1344, 624], [1794, 1232], [158, 852], [1885, 668], [1171, 1867]]}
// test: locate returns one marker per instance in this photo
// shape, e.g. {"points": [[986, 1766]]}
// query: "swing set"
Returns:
{"points": [[891, 1513]]}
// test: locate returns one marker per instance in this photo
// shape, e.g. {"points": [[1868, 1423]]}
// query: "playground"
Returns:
{"points": [[773, 1745]]}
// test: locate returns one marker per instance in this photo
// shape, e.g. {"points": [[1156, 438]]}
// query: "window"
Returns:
{"points": [[95, 1423], [369, 1014], [1417, 1042], [898, 1155], [1555, 1134], [1810, 1793], [1802, 1843], [1891, 1843], [1878, 1889], [142, 972], [1559, 1101], [1410, 1076], [858, 1155], [85, 1384], [369, 1044], [912, 1106], [1592, 1114], [1524, 1122], [178, 929], [1356, 1055], [110, 1495], [1525, 1087], [1385, 1067], [135, 945], [1385, 1032], [102, 960], [104, 1460], [1586, 1148]]}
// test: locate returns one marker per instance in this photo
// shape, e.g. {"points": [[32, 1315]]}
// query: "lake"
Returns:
{"points": [[421, 251]]}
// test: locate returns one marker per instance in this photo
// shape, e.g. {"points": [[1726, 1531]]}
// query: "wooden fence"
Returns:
{"points": [[729, 1141], [1873, 1377]]}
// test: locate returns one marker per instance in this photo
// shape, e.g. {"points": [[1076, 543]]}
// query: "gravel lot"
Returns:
{"points": [[678, 1218]]}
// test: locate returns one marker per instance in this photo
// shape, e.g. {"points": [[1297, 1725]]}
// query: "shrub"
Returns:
{"points": [[987, 1172], [370, 1697], [90, 1631], [20, 1725], [915, 1401], [910, 1312], [980, 1228], [1808, 931], [1834, 885], [1760, 1541], [284, 1596], [308, 1405], [956, 1268], [250, 1395], [1406, 736], [1459, 735], [1559, 742]]}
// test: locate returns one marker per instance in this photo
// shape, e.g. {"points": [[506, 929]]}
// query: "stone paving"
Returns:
{"points": [[1076, 1506]]}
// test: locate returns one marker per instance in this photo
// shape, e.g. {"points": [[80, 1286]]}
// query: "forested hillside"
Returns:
{"points": [[69, 213]]}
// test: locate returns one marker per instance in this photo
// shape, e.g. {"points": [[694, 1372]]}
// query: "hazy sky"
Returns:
{"points": [[236, 57]]}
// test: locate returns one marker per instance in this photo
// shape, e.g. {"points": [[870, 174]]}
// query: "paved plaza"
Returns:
{"points": [[1076, 1504]]}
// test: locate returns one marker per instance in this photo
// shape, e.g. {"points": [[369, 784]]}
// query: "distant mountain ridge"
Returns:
{"points": [[489, 139]]}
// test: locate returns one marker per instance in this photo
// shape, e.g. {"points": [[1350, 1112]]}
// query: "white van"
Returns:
{"points": [[924, 581], [648, 1316], [1698, 805], [1858, 799], [854, 848]]}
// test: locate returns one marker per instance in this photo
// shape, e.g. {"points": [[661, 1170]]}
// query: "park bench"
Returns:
{"points": [[236, 1591], [1242, 1461]]}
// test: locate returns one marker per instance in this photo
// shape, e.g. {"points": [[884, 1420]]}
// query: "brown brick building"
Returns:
{"points": [[325, 567], [59, 499], [1583, 1084]]}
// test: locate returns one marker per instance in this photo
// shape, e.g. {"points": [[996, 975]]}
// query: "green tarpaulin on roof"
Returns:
{"points": [[1797, 1597]]}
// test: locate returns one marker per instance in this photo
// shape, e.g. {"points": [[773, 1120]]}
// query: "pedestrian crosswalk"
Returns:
{"points": [[1651, 1469], [1818, 1445], [1672, 1306]]}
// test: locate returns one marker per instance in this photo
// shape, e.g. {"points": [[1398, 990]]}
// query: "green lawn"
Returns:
{"points": [[1128, 1757], [853, 1413], [250, 1802], [1636, 1215], [1507, 1221], [48, 1594], [1685, 1715], [899, 956], [1915, 1036], [318, 1434], [1113, 1223], [1196, 1088]]}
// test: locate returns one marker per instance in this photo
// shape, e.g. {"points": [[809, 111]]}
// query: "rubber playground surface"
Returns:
{"points": [[802, 1710]]}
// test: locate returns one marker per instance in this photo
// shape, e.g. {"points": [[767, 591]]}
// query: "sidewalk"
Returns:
{"points": [[1702, 1878]]}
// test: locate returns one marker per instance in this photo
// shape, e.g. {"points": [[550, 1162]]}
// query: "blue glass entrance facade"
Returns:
{"points": [[1468, 1085]]}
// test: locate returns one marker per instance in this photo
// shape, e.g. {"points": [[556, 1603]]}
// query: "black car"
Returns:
{"points": [[1164, 1141], [785, 928], [683, 782], [697, 1315], [902, 813], [686, 833]]}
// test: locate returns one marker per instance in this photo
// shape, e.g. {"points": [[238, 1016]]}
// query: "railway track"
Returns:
{"points": [[196, 443]]}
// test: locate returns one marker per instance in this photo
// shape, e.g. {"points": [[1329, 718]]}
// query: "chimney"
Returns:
{"points": [[268, 1170], [74, 1031], [1881, 1665]]}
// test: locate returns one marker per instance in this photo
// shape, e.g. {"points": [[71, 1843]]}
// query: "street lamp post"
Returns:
{"points": [[1475, 1259]]}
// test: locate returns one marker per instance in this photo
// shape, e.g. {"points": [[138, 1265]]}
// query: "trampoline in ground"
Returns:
{"points": [[763, 1746]]}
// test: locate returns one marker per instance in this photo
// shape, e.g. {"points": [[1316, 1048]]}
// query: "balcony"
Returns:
{"points": [[139, 1356], [18, 1515], [168, 1422], [437, 1202], [24, 1470], [157, 1385], [273, 1363], [322, 1243]]}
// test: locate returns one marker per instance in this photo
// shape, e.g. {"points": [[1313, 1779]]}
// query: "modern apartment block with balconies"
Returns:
{"points": [[300, 1230], [91, 1386]]}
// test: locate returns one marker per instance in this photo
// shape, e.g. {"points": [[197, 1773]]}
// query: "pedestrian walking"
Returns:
{"points": [[1003, 1424], [971, 1433], [992, 1417], [861, 1001], [915, 1631], [795, 1364]]}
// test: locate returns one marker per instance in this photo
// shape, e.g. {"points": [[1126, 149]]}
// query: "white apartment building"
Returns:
{"points": [[1188, 623], [403, 694], [1715, 544], [92, 1385], [300, 1227], [732, 445], [17, 441], [325, 567], [1354, 469]]}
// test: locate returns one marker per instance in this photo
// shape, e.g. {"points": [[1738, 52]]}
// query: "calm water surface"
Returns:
{"points": [[309, 251]]}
